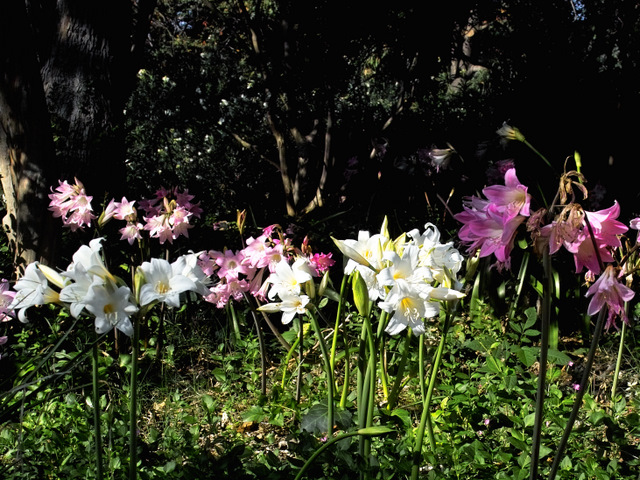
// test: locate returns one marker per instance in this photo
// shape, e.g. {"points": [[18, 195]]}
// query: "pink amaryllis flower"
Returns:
{"points": [[570, 230], [6, 297], [489, 231], [169, 214], [607, 290], [72, 205], [606, 232], [511, 198], [489, 225]]}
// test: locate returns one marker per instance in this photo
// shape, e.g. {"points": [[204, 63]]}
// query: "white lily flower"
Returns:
{"points": [[408, 307], [187, 265], [32, 289], [88, 261], [288, 279], [290, 306], [405, 268], [111, 307], [162, 284]]}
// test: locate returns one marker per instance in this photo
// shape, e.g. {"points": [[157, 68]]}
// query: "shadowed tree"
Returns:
{"points": [[67, 70]]}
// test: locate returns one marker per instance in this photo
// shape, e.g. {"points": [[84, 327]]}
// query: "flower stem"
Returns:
{"points": [[614, 386], [290, 354], [336, 330], [133, 403], [366, 432], [96, 412], [424, 418], [542, 373], [577, 403], [395, 389], [263, 353], [534, 150], [328, 371]]}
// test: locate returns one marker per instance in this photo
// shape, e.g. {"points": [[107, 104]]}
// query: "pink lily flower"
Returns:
{"points": [[607, 290], [511, 198], [606, 230]]}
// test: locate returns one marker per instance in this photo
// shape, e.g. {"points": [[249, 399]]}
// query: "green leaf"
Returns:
{"points": [[527, 355], [544, 451], [482, 344], [220, 374], [403, 415], [532, 317], [315, 420], [557, 357], [529, 420], [209, 403], [254, 414], [566, 464], [494, 365]]}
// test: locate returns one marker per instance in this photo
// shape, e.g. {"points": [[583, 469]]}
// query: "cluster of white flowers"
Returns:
{"points": [[408, 276], [291, 284], [88, 286]]}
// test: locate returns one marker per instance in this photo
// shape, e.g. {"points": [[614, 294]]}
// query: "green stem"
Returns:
{"points": [[301, 355], [522, 274], [384, 377], [614, 387], [577, 403], [334, 342], [366, 432], [395, 389], [96, 413], [372, 387], [544, 159], [328, 371], [286, 360], [347, 371], [542, 374], [234, 321], [424, 418], [133, 403], [263, 354]]}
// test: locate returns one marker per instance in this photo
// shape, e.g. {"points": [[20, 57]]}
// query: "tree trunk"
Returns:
{"points": [[26, 146], [67, 70]]}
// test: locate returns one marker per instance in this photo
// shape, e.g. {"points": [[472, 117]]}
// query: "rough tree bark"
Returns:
{"points": [[26, 142], [67, 70]]}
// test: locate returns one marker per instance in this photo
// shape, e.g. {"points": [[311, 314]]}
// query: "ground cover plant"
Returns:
{"points": [[503, 348]]}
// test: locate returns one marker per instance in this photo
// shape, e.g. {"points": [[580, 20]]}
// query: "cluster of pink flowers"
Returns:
{"points": [[243, 272], [490, 224], [6, 312], [571, 231], [72, 205], [167, 216]]}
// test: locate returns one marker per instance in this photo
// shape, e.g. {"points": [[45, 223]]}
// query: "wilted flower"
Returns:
{"points": [[570, 230], [508, 132], [440, 157]]}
